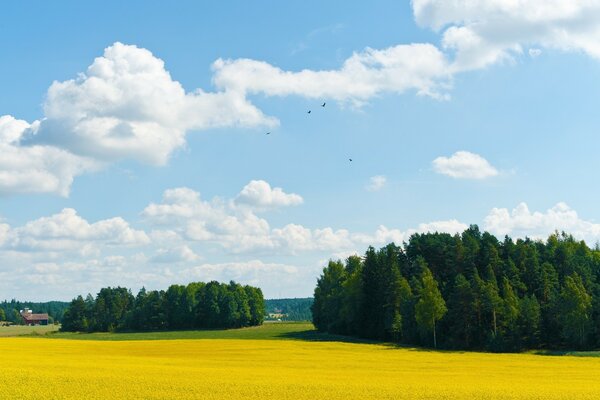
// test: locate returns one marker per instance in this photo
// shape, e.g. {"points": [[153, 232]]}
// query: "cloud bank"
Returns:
{"points": [[126, 105]]}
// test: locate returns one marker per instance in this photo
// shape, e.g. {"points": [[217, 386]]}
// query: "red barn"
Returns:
{"points": [[29, 318]]}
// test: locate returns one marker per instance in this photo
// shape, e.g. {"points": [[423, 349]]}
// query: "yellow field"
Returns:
{"points": [[34, 368]]}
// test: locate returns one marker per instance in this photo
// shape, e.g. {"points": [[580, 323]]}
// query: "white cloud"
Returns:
{"points": [[397, 69], [259, 194], [235, 228], [384, 235], [297, 238], [127, 105], [65, 250], [175, 254], [376, 183], [484, 32], [11, 129], [183, 215], [253, 271], [39, 169], [464, 165], [521, 222], [35, 169], [68, 231]]}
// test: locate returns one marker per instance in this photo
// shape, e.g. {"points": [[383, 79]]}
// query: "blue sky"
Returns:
{"points": [[134, 146]]}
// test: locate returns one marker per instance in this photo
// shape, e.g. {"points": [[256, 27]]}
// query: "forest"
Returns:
{"points": [[9, 310], [296, 309], [466, 291], [198, 305]]}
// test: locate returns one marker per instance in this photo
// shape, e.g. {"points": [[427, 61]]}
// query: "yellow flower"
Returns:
{"points": [[34, 368]]}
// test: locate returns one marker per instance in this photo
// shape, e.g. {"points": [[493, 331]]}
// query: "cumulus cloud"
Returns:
{"points": [[384, 235], [474, 34], [484, 32], [11, 129], [521, 222], [67, 230], [126, 105], [259, 194], [35, 169], [296, 238], [376, 183], [420, 67], [175, 254], [237, 229], [252, 271], [464, 165], [64, 249]]}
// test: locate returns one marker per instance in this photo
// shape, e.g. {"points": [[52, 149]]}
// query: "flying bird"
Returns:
{"points": [[323, 105], [308, 112], [268, 133], [350, 159]]}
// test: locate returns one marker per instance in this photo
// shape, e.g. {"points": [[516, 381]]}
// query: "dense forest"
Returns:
{"points": [[197, 305], [297, 309], [467, 291], [9, 310]]}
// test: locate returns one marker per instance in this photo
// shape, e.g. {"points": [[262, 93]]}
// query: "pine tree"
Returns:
{"points": [[460, 305], [576, 305], [529, 321]]}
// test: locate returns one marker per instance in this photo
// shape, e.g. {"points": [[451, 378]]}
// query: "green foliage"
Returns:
{"points": [[297, 309], [2, 314], [197, 305], [329, 297], [529, 321], [575, 310], [76, 317], [54, 309], [431, 306], [499, 295], [461, 316]]}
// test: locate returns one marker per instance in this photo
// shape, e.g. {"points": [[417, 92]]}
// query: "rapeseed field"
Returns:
{"points": [[34, 368]]}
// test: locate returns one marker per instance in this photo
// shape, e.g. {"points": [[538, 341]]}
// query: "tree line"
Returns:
{"points": [[195, 306], [9, 310], [466, 291], [296, 309]]}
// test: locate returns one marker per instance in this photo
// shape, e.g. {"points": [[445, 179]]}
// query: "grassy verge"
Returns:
{"points": [[591, 353], [18, 330], [267, 331]]}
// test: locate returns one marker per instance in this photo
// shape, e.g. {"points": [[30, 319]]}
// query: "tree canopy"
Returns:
{"points": [[466, 291], [197, 305]]}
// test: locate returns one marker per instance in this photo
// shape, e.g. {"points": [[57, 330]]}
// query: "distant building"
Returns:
{"points": [[276, 315], [29, 318]]}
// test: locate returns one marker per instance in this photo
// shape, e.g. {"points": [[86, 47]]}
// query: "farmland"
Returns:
{"points": [[283, 361], [20, 330]]}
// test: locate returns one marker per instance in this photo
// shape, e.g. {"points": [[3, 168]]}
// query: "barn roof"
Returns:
{"points": [[35, 317]]}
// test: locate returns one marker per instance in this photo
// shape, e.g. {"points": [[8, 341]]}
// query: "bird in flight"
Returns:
{"points": [[268, 133], [323, 105], [350, 159], [308, 112]]}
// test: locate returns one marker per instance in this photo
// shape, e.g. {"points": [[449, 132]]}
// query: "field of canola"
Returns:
{"points": [[34, 368]]}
